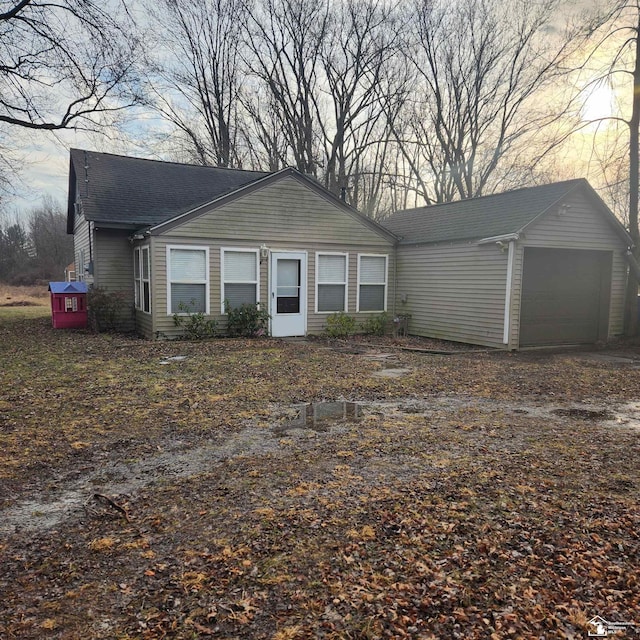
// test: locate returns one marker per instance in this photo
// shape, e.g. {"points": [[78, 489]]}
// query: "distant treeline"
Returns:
{"points": [[35, 250]]}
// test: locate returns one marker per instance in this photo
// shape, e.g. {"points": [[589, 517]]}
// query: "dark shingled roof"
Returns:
{"points": [[135, 192], [483, 217]]}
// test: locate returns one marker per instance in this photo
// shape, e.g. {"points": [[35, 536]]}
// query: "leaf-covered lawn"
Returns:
{"points": [[468, 501]]}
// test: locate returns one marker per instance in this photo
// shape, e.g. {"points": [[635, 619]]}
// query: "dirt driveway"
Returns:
{"points": [[271, 489]]}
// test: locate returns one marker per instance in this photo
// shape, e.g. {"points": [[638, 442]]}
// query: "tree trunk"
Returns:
{"points": [[631, 306]]}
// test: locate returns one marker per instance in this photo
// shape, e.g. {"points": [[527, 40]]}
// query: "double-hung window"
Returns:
{"points": [[142, 279], [187, 279], [331, 282], [240, 277], [372, 282], [80, 276]]}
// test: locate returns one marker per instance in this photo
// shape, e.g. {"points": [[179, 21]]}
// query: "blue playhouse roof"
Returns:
{"points": [[68, 287]]}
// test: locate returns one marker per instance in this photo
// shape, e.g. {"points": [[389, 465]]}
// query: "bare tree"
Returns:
{"points": [[482, 69], [262, 131], [360, 44], [63, 64], [329, 75], [285, 39], [194, 75], [617, 32]]}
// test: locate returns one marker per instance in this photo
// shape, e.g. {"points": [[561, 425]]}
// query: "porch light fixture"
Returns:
{"points": [[264, 252]]}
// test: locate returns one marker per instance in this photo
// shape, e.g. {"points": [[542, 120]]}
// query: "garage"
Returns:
{"points": [[532, 267], [565, 296]]}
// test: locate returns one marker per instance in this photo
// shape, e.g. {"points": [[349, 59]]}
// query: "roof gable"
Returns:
{"points": [[265, 183], [129, 192], [487, 216]]}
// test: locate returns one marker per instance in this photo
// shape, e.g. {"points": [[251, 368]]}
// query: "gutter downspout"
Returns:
{"points": [[506, 336]]}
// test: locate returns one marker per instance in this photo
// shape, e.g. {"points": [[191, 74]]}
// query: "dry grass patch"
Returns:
{"points": [[453, 509], [12, 296]]}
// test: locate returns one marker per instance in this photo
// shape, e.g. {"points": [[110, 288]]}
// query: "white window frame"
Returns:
{"points": [[188, 247], [224, 250], [345, 283], [138, 259], [137, 279], [385, 283], [81, 273]]}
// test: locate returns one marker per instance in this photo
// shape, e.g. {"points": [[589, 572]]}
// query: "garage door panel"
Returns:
{"points": [[563, 293]]}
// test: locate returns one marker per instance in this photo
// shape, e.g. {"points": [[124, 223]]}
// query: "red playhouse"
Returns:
{"points": [[68, 305]]}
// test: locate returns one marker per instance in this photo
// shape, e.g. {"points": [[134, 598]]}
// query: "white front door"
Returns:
{"points": [[288, 306]]}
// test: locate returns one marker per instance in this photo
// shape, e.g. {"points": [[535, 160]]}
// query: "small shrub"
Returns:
{"points": [[195, 324], [340, 325], [104, 308], [246, 321], [376, 325]]}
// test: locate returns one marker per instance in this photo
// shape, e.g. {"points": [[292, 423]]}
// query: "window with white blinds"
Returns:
{"points": [[142, 279], [240, 277], [187, 280], [372, 283], [331, 282]]}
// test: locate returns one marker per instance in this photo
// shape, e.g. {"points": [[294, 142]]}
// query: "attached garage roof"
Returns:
{"points": [[487, 216], [135, 192]]}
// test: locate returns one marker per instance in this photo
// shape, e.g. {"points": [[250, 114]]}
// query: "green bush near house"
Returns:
{"points": [[246, 321], [104, 309], [376, 325], [195, 324], [340, 325]]}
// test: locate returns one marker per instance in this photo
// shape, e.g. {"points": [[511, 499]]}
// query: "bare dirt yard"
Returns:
{"points": [[195, 490]]}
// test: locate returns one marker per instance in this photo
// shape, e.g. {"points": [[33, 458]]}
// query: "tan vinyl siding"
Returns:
{"points": [[144, 324], [516, 290], [454, 292], [284, 216], [113, 256], [164, 323], [577, 226], [618, 285], [81, 243], [277, 213]]}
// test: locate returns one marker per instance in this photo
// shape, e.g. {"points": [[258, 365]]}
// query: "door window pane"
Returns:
{"points": [[288, 286]]}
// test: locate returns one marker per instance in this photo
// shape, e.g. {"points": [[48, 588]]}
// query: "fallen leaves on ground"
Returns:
{"points": [[445, 511]]}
